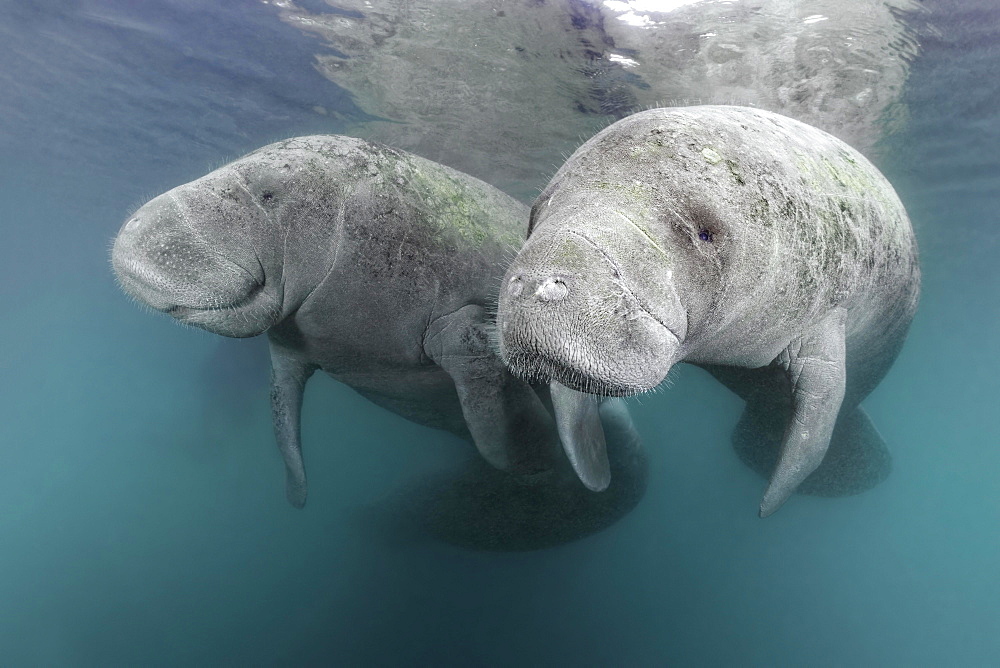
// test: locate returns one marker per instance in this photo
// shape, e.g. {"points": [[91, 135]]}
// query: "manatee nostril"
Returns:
{"points": [[515, 286], [132, 224], [552, 289]]}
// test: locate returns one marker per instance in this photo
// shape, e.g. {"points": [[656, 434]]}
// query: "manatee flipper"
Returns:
{"points": [[815, 364], [288, 382], [579, 422], [856, 460], [507, 421]]}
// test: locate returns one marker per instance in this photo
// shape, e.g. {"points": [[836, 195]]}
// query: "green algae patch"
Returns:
{"points": [[852, 176], [446, 207], [638, 151], [573, 254], [457, 210], [711, 156], [761, 211], [734, 171]]}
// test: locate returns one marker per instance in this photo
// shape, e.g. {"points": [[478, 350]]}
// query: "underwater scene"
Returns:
{"points": [[499, 333]]}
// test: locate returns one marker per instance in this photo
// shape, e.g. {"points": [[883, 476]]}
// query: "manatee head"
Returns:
{"points": [[622, 264], [594, 311], [235, 251]]}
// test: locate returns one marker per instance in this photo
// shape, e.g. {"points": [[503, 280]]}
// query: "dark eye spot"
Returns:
{"points": [[267, 196], [705, 235]]}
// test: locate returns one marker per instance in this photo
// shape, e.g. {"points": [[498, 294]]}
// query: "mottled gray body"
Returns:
{"points": [[756, 246], [369, 263]]}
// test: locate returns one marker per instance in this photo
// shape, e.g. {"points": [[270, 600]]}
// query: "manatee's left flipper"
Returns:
{"points": [[579, 421], [856, 460], [508, 422], [288, 382], [816, 367]]}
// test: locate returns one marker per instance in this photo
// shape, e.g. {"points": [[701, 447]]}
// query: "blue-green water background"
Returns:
{"points": [[142, 519]]}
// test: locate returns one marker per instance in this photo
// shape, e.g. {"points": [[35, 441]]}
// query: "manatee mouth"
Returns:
{"points": [[178, 292], [549, 370], [184, 312], [571, 312], [579, 368], [255, 313], [231, 301]]}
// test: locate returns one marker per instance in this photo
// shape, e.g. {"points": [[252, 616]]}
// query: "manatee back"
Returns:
{"points": [[410, 240]]}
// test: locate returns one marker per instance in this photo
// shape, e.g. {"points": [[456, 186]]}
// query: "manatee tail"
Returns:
{"points": [[856, 461]]}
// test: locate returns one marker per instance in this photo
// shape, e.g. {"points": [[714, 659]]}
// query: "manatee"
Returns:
{"points": [[371, 264], [755, 246]]}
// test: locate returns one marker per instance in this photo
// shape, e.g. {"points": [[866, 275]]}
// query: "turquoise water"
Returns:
{"points": [[142, 518]]}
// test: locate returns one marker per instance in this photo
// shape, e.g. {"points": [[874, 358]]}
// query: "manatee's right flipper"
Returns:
{"points": [[579, 421], [288, 382], [507, 421]]}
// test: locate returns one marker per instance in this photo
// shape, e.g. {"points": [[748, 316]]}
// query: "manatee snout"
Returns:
{"points": [[566, 313], [168, 256]]}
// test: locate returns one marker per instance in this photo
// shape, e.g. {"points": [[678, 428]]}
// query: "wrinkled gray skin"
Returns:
{"points": [[371, 264], [757, 247]]}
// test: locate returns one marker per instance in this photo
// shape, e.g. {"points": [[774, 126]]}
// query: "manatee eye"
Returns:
{"points": [[267, 196], [705, 235]]}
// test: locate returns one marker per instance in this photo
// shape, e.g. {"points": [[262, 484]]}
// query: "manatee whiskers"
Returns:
{"points": [[539, 368]]}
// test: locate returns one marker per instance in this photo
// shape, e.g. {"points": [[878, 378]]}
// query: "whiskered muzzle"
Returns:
{"points": [[567, 315], [166, 264]]}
